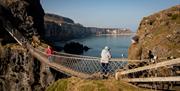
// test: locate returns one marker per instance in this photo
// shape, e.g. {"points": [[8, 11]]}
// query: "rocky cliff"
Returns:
{"points": [[159, 33], [57, 18], [62, 28], [24, 15], [19, 71]]}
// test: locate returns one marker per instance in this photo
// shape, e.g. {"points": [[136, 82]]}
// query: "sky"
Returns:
{"points": [[107, 13]]}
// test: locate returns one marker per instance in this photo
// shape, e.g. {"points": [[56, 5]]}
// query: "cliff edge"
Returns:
{"points": [[20, 71], [159, 33], [24, 15]]}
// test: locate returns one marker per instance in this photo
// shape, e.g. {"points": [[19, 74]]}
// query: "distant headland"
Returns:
{"points": [[62, 28]]}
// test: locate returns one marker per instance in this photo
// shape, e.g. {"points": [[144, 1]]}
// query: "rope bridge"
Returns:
{"points": [[82, 65], [73, 65], [86, 66]]}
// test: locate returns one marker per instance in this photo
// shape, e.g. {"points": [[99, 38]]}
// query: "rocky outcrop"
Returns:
{"points": [[59, 28], [64, 32], [160, 34], [57, 19], [75, 48], [24, 15], [19, 71]]}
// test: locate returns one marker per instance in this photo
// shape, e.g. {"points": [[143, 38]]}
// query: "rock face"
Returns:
{"points": [[75, 48], [160, 33], [19, 71], [60, 28], [24, 15], [57, 19]]}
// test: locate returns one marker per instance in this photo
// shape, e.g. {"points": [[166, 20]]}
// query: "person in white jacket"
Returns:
{"points": [[105, 57]]}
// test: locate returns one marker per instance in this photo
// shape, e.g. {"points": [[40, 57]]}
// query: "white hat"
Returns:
{"points": [[106, 47]]}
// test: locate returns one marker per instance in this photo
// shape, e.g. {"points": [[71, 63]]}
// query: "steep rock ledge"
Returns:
{"points": [[159, 33], [58, 28], [24, 15], [19, 71]]}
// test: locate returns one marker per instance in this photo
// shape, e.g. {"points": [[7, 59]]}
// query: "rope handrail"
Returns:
{"points": [[80, 58], [160, 64], [68, 54], [74, 55], [153, 79], [94, 58], [13, 36], [90, 57]]}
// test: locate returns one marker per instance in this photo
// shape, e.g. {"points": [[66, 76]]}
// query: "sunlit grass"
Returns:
{"points": [[77, 84]]}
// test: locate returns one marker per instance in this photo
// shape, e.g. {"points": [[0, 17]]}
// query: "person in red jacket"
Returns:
{"points": [[49, 53]]}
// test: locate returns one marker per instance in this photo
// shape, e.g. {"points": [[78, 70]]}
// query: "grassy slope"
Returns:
{"points": [[77, 84]]}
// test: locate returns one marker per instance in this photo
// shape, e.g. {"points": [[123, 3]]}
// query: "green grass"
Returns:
{"points": [[60, 85], [178, 19], [77, 84], [87, 88], [174, 16]]}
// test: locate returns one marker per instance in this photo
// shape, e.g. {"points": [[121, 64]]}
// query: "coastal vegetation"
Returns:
{"points": [[77, 84]]}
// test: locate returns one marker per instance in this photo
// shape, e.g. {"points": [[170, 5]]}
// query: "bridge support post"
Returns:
{"points": [[118, 75]]}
